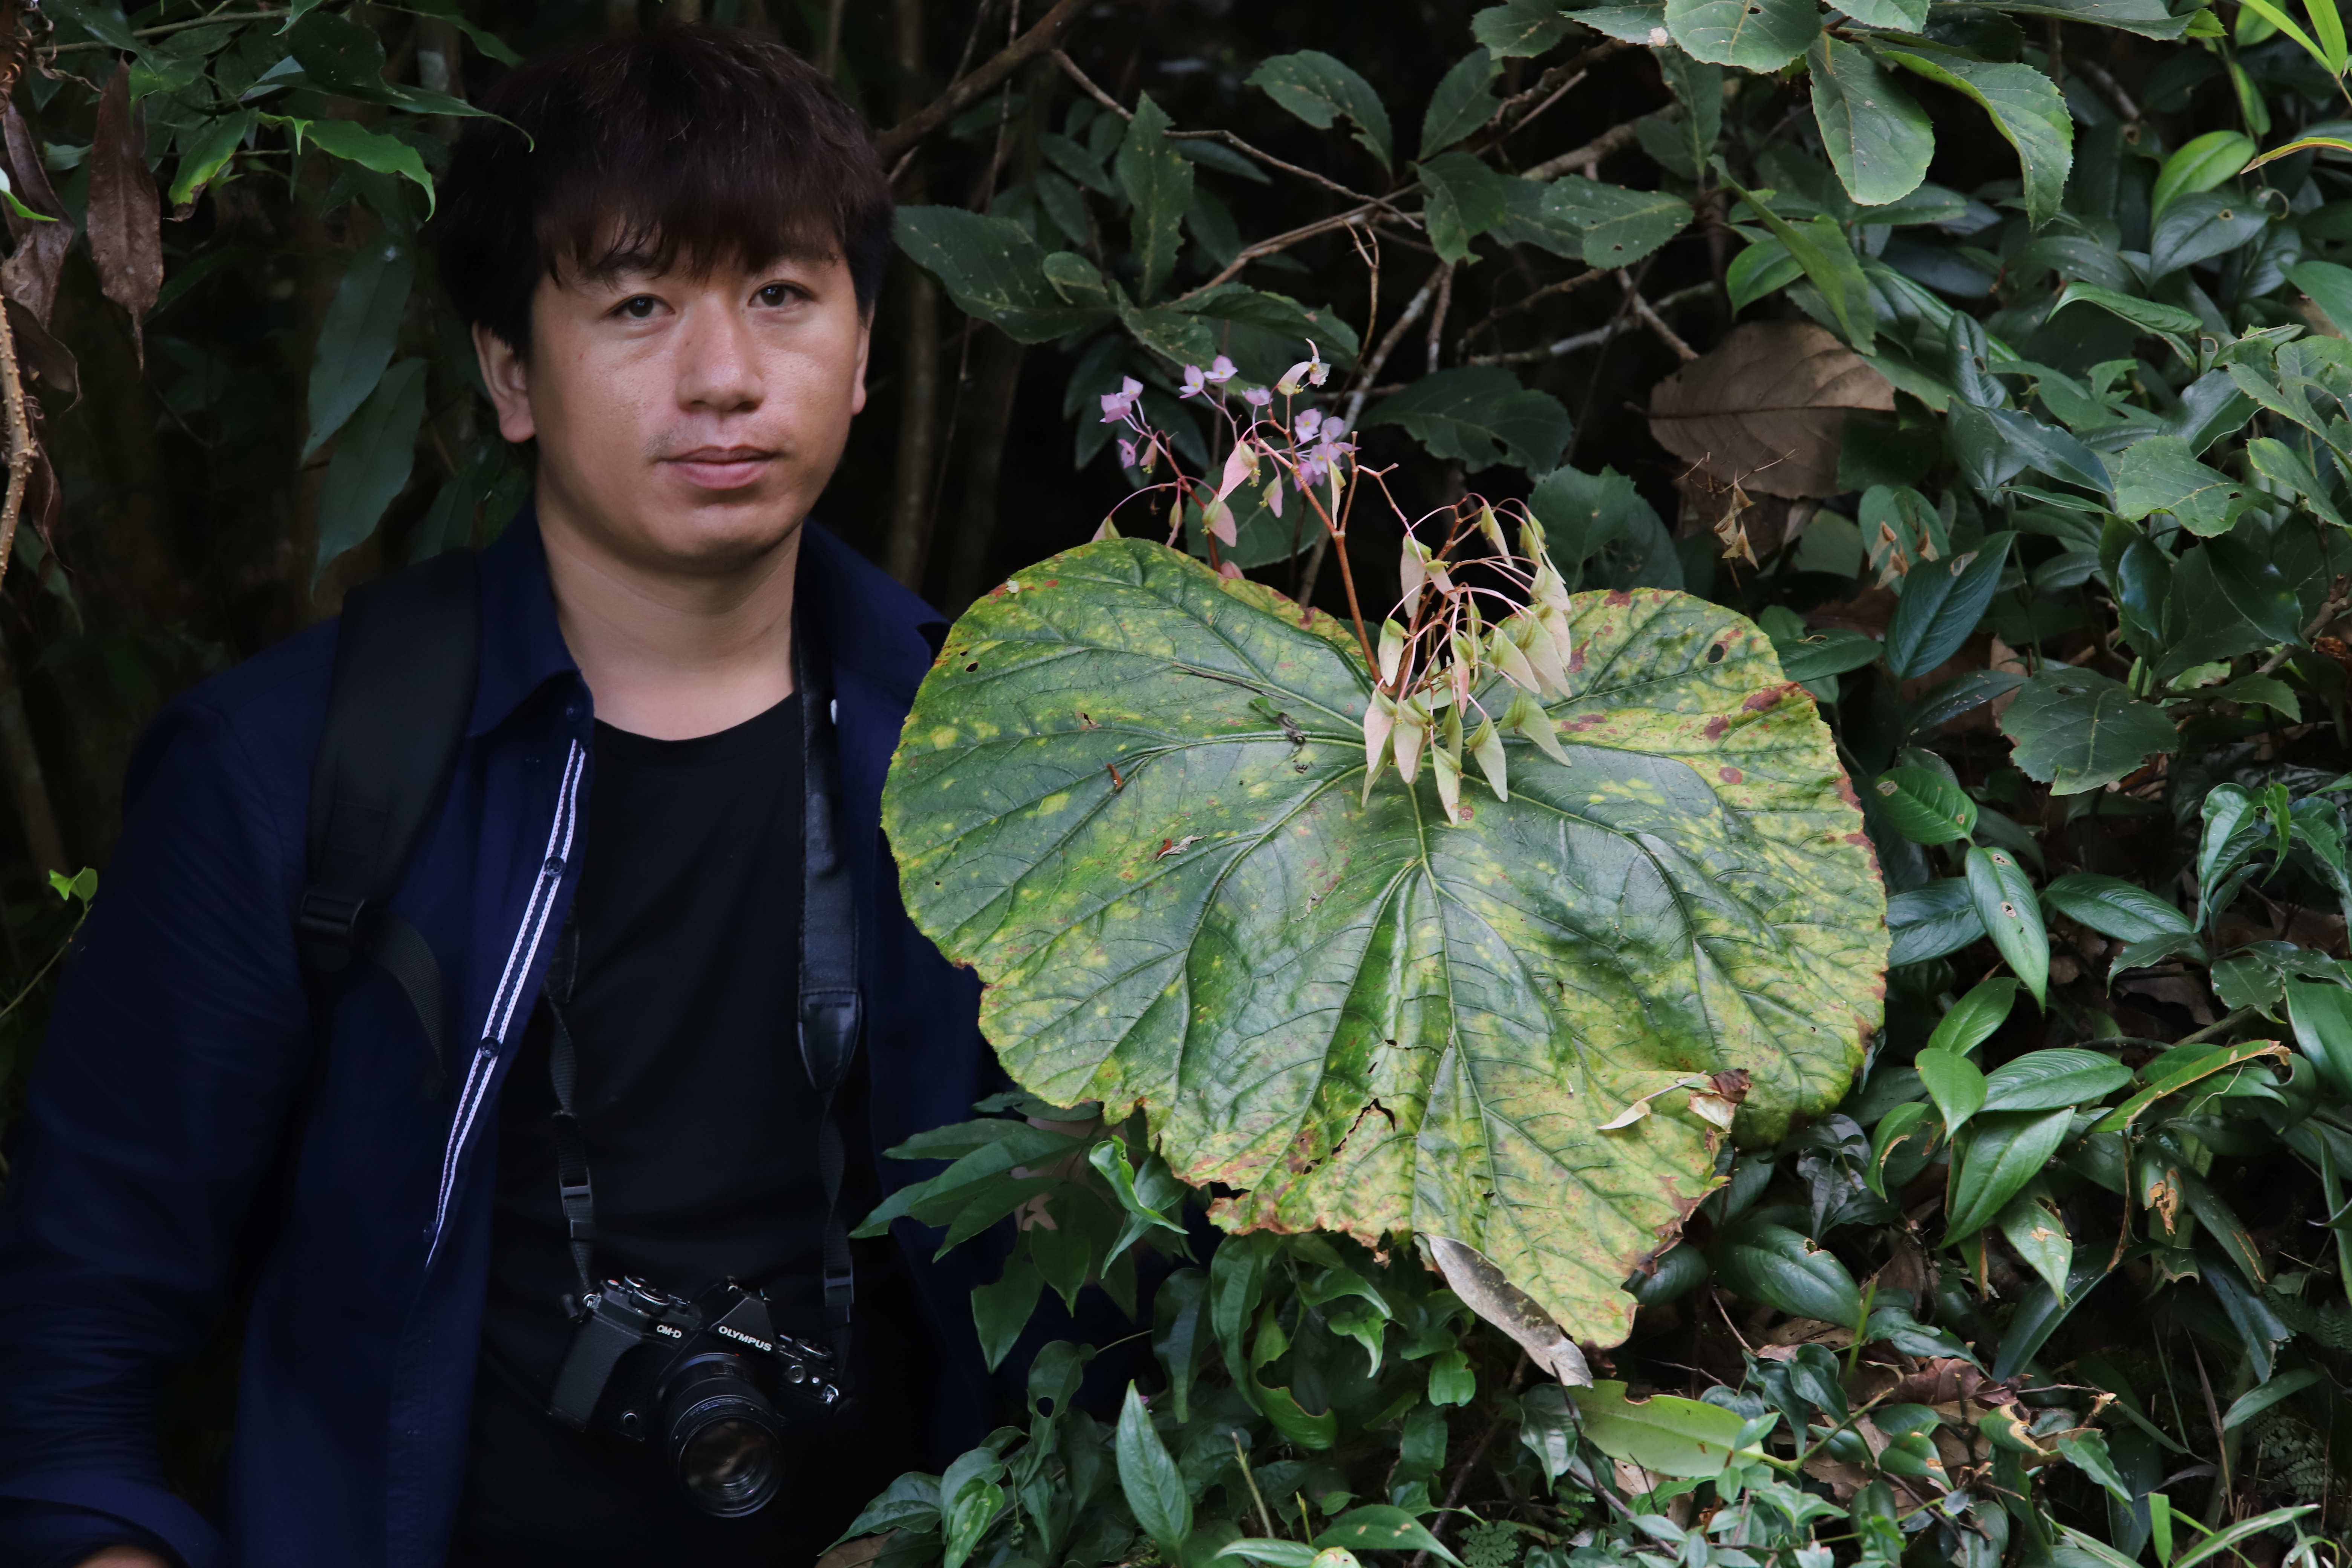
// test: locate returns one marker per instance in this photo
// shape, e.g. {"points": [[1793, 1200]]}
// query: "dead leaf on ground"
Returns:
{"points": [[30, 276], [1766, 408], [857, 1553], [126, 211]]}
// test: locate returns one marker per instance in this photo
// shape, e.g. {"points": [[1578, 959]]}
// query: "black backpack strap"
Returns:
{"points": [[832, 1011], [402, 692]]}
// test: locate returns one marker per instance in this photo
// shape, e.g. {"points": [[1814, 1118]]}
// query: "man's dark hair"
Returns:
{"points": [[689, 146]]}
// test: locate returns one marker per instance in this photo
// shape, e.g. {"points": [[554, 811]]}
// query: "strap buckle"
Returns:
{"points": [[327, 926]]}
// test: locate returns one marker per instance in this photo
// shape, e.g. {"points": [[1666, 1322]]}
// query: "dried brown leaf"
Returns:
{"points": [[30, 276], [126, 211], [1766, 408]]}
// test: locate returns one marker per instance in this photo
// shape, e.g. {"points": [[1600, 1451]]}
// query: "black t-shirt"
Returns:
{"points": [[701, 1131]]}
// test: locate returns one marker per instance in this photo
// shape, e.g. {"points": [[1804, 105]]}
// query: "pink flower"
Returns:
{"points": [[1221, 370], [1125, 453], [1194, 381], [1309, 421], [1257, 397], [1120, 404]]}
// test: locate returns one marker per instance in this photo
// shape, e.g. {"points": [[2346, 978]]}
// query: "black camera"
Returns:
{"points": [[701, 1384]]}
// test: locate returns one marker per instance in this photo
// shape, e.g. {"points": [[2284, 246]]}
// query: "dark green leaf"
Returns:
{"points": [[1462, 102], [1158, 180], [2159, 474], [370, 150], [1942, 602], [372, 461], [2005, 1153], [992, 269], [1154, 1487], [2026, 108], [2058, 1076], [2032, 1225], [1925, 807], [1481, 416], [2113, 907], [2077, 729], [1319, 89], [1000, 1311], [1975, 1016], [1772, 1264], [1827, 654], [1760, 35], [1519, 28], [1878, 140], [2255, 588], [356, 340], [1955, 1083], [2012, 915], [2330, 287], [1930, 921], [1466, 198], [1619, 226], [2200, 227]]}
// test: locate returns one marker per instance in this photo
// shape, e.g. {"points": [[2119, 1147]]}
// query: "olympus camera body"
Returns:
{"points": [[705, 1387]]}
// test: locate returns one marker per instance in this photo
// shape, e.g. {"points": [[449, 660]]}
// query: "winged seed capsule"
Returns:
{"points": [[1391, 651], [1412, 734], [1486, 745], [1412, 568]]}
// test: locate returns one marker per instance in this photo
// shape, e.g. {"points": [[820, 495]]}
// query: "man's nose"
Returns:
{"points": [[717, 369]]}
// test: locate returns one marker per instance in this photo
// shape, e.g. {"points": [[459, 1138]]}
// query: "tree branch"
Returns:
{"points": [[1598, 335], [1615, 138], [1284, 241], [967, 90]]}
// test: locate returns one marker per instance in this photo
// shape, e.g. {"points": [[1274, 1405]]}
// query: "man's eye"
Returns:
{"points": [[640, 307], [777, 294]]}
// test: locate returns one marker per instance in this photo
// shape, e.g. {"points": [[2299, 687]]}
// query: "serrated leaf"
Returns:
{"points": [[1481, 416], [356, 340], [2012, 915], [992, 269], [2160, 474], [384, 154], [1878, 140], [1925, 807], [2026, 108], [1158, 180], [1466, 198], [1106, 964], [1519, 29], [1319, 89], [1759, 35], [2077, 729], [1462, 102], [1617, 226], [1902, 16]]}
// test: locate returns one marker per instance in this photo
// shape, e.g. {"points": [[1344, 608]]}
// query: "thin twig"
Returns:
{"points": [[1086, 85], [2331, 607], [221, 20], [1437, 312], [1238, 145], [963, 94], [1598, 335], [1615, 138], [1530, 118], [1369, 371], [2217, 1028], [2109, 88], [1284, 241], [1528, 302], [1649, 315]]}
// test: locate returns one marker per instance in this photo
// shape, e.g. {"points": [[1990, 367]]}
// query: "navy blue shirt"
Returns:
{"points": [[191, 1138]]}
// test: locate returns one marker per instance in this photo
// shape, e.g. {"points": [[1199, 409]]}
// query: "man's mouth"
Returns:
{"points": [[722, 468]]}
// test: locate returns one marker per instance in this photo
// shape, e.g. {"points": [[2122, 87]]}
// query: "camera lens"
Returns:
{"points": [[725, 1441]]}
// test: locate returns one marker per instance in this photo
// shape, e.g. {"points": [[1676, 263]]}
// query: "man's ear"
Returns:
{"points": [[509, 380], [865, 350]]}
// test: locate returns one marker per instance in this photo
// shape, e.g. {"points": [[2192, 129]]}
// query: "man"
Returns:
{"points": [[669, 250]]}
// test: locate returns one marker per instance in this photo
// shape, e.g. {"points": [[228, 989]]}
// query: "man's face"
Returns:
{"points": [[686, 422]]}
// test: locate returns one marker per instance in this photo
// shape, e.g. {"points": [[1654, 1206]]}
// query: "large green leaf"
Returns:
{"points": [[1462, 102], [1619, 226], [1353, 1016], [1878, 140], [1663, 1434], [2026, 108], [993, 270], [372, 460], [356, 340], [1762, 35], [2160, 474], [1480, 414], [1466, 198], [2077, 729]]}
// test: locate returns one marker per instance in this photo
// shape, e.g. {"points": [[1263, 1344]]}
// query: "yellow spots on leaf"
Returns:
{"points": [[943, 738]]}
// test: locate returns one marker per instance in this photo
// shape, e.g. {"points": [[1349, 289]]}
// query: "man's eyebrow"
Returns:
{"points": [[615, 264]]}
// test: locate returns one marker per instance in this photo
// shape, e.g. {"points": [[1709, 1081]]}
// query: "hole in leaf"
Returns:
{"points": [[1714, 654], [973, 666]]}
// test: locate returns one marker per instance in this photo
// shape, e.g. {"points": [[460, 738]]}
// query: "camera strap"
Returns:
{"points": [[831, 1009]]}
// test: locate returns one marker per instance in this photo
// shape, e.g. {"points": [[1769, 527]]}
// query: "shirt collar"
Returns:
{"points": [[865, 620]]}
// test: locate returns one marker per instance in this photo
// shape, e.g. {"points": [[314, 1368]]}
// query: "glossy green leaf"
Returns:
{"points": [[1955, 1084], [1942, 602], [2200, 164], [1319, 89], [1901, 16], [1620, 226], [2200, 227], [372, 460], [382, 153], [2003, 1153], [1764, 268], [1154, 1486], [1480, 416], [2113, 907], [204, 160], [2032, 1225], [993, 270], [356, 340], [1665, 1435], [1466, 198], [1820, 247], [1975, 1016], [2255, 588], [1001, 1310], [2159, 474], [2176, 326], [1925, 807], [1760, 35], [1772, 1264], [2254, 1401], [1826, 654], [1091, 807], [1461, 104], [1158, 180], [2330, 287], [1930, 921], [2056, 1076], [2026, 108], [1377, 1527], [2012, 915], [1897, 1125], [2321, 1016], [2283, 465], [2077, 729], [1879, 140]]}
